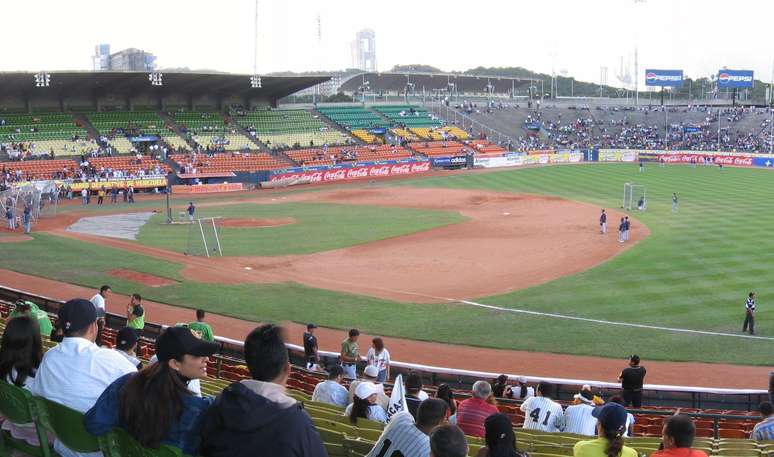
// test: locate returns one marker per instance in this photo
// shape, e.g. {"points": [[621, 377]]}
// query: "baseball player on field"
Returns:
{"points": [[603, 222], [749, 315]]}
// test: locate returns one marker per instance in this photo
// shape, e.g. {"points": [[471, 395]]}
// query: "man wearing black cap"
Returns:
{"points": [[310, 345], [254, 417], [126, 345], [76, 371]]}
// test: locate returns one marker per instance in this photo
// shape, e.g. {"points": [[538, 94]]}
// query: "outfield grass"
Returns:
{"points": [[318, 227], [692, 272]]}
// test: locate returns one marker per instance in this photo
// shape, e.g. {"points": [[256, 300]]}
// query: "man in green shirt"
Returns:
{"points": [[31, 310], [135, 314], [202, 327], [350, 354]]}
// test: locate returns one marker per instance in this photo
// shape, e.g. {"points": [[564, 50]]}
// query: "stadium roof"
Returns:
{"points": [[129, 83], [387, 81]]}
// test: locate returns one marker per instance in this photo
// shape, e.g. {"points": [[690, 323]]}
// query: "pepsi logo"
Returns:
{"points": [[724, 77], [650, 76]]}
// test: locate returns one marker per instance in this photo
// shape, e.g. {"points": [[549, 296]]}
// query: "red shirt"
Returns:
{"points": [[471, 415], [679, 452]]}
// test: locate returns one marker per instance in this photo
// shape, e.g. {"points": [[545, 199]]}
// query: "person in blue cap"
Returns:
{"points": [[611, 425]]}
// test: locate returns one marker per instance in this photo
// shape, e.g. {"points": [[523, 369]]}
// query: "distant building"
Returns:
{"points": [[101, 58], [364, 50], [131, 59]]}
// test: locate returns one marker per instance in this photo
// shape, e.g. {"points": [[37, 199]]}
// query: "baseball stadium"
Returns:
{"points": [[457, 236]]}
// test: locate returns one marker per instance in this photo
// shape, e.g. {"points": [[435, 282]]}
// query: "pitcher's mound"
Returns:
{"points": [[142, 278], [253, 222]]}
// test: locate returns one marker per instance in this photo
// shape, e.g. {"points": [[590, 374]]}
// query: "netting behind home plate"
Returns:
{"points": [[41, 196]]}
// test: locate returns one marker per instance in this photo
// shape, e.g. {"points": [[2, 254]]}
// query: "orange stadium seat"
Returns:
{"points": [[226, 162], [369, 153]]}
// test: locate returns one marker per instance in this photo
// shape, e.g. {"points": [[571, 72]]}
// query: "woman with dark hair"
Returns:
{"points": [[155, 405], [499, 437], [611, 425], [364, 404], [445, 393], [379, 357], [21, 351]]}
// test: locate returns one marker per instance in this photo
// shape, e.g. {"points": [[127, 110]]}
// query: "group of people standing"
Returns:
{"points": [[623, 227]]}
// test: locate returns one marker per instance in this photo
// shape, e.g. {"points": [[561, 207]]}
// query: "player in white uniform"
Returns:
{"points": [[402, 437], [542, 413]]}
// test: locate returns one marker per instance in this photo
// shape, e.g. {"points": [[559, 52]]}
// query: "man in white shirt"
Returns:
{"points": [[98, 301], [578, 418], [331, 391], [542, 413], [76, 371], [403, 437]]}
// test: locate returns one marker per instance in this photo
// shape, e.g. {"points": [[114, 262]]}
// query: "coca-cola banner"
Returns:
{"points": [[356, 172], [735, 161]]}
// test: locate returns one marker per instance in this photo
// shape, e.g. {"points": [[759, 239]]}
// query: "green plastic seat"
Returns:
{"points": [[67, 425], [358, 447], [121, 444], [18, 406]]}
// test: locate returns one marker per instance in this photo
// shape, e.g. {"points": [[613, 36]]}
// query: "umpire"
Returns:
{"points": [[631, 382], [749, 315]]}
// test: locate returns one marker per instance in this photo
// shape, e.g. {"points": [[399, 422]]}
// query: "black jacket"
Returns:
{"points": [[242, 423]]}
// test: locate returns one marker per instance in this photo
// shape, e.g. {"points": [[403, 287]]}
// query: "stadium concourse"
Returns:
{"points": [[437, 354]]}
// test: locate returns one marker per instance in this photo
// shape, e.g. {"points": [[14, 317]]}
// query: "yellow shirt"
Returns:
{"points": [[598, 448]]}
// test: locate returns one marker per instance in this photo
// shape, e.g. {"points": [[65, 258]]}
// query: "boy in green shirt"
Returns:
{"points": [[31, 310], [135, 314], [202, 327]]}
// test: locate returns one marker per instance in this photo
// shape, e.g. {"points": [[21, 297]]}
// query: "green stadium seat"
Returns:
{"points": [[18, 406], [67, 425], [120, 444]]}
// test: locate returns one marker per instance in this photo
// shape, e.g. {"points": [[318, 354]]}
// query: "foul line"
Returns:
{"points": [[620, 324]]}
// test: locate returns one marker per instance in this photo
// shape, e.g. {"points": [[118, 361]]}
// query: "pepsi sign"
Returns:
{"points": [[664, 78], [732, 79]]}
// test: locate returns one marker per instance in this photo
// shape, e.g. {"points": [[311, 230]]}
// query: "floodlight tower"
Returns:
{"points": [[636, 61]]}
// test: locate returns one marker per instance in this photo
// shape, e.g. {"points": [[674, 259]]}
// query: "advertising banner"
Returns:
{"points": [[617, 155], [732, 79], [356, 172], [664, 78], [537, 159], [456, 161], [145, 183], [208, 188]]}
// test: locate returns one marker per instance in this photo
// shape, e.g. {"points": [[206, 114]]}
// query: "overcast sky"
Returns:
{"points": [[699, 36]]}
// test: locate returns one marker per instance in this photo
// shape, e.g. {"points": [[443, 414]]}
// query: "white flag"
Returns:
{"points": [[397, 398]]}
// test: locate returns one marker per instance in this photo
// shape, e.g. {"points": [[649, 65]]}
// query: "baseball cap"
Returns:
{"points": [[365, 389], [612, 416], [76, 314], [175, 342], [371, 371], [126, 338], [310, 326]]}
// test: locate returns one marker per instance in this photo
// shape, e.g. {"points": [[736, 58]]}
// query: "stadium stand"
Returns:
{"points": [[38, 169], [129, 166], [440, 133], [353, 117], [408, 115], [24, 135], [284, 129], [440, 148], [115, 126], [343, 154], [228, 162], [211, 131], [340, 437]]}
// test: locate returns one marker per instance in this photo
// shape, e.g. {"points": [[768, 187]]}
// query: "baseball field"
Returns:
{"points": [[509, 259]]}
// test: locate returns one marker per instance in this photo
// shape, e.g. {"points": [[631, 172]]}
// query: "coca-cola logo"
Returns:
{"points": [[420, 167], [355, 173], [379, 171], [401, 169], [337, 175]]}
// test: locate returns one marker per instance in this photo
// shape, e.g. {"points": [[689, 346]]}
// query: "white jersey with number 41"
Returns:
{"points": [[541, 413]]}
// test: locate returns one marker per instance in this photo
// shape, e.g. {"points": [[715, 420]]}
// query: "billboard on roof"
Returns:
{"points": [[664, 78], [733, 79]]}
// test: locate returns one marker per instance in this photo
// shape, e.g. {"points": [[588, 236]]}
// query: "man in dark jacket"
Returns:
{"points": [[254, 417]]}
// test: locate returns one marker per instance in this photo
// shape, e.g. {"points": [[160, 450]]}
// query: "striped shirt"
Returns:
{"points": [[471, 415], [542, 413], [629, 422], [750, 305], [402, 437], [764, 431], [578, 420]]}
